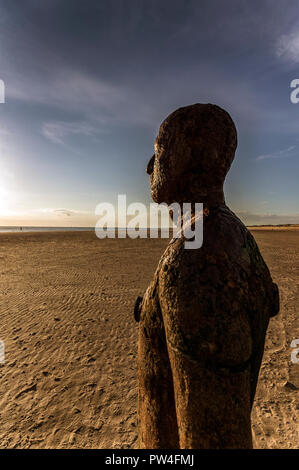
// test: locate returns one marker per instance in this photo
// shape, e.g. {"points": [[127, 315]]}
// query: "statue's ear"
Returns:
{"points": [[137, 308]]}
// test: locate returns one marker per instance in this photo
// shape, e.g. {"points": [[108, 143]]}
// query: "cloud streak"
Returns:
{"points": [[77, 92], [288, 152], [59, 131], [287, 47]]}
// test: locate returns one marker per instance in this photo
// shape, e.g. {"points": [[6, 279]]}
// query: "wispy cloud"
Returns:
{"points": [[58, 131], [288, 152], [63, 212], [106, 103], [288, 47]]}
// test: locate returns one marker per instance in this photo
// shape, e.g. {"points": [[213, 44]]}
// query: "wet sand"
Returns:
{"points": [[69, 379]]}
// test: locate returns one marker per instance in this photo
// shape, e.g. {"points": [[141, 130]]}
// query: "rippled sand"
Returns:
{"points": [[69, 379]]}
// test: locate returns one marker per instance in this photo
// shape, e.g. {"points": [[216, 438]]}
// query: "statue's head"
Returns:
{"points": [[194, 150]]}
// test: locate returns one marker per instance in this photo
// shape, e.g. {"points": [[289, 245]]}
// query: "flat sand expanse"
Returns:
{"points": [[69, 380]]}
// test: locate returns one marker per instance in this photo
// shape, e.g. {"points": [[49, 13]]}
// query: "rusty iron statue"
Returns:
{"points": [[203, 319]]}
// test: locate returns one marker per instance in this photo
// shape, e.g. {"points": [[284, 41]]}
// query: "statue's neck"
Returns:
{"points": [[212, 198]]}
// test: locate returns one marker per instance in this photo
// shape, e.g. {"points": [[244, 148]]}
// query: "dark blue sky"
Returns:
{"points": [[88, 84]]}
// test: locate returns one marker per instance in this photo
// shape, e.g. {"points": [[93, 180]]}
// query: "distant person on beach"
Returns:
{"points": [[203, 319]]}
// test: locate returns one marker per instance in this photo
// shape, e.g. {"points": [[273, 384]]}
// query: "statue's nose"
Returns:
{"points": [[150, 165]]}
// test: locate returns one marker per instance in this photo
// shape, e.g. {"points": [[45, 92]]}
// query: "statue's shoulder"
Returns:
{"points": [[228, 266], [228, 248], [223, 232], [226, 234]]}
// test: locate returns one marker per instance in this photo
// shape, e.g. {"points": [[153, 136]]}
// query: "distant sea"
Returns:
{"points": [[12, 229], [45, 229]]}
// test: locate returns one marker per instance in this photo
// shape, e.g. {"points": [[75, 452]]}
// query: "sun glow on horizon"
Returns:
{"points": [[8, 192], [7, 200]]}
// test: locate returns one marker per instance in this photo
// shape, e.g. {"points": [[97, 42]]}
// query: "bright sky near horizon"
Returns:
{"points": [[87, 85]]}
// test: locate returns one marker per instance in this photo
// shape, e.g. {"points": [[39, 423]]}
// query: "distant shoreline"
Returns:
{"points": [[26, 229], [18, 229], [292, 227]]}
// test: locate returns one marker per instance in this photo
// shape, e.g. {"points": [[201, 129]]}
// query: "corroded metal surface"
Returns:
{"points": [[203, 319]]}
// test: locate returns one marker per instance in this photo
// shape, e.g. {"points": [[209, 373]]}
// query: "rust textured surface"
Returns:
{"points": [[203, 319]]}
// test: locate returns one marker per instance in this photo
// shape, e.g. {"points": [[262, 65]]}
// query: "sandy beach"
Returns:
{"points": [[70, 375]]}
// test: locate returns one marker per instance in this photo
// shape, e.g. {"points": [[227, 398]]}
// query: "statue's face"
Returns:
{"points": [[170, 165], [159, 169]]}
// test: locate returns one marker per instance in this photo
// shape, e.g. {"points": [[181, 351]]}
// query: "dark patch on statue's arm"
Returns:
{"points": [[275, 300], [137, 308], [152, 294]]}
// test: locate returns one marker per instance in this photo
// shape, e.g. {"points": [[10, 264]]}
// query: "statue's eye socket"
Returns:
{"points": [[150, 165]]}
